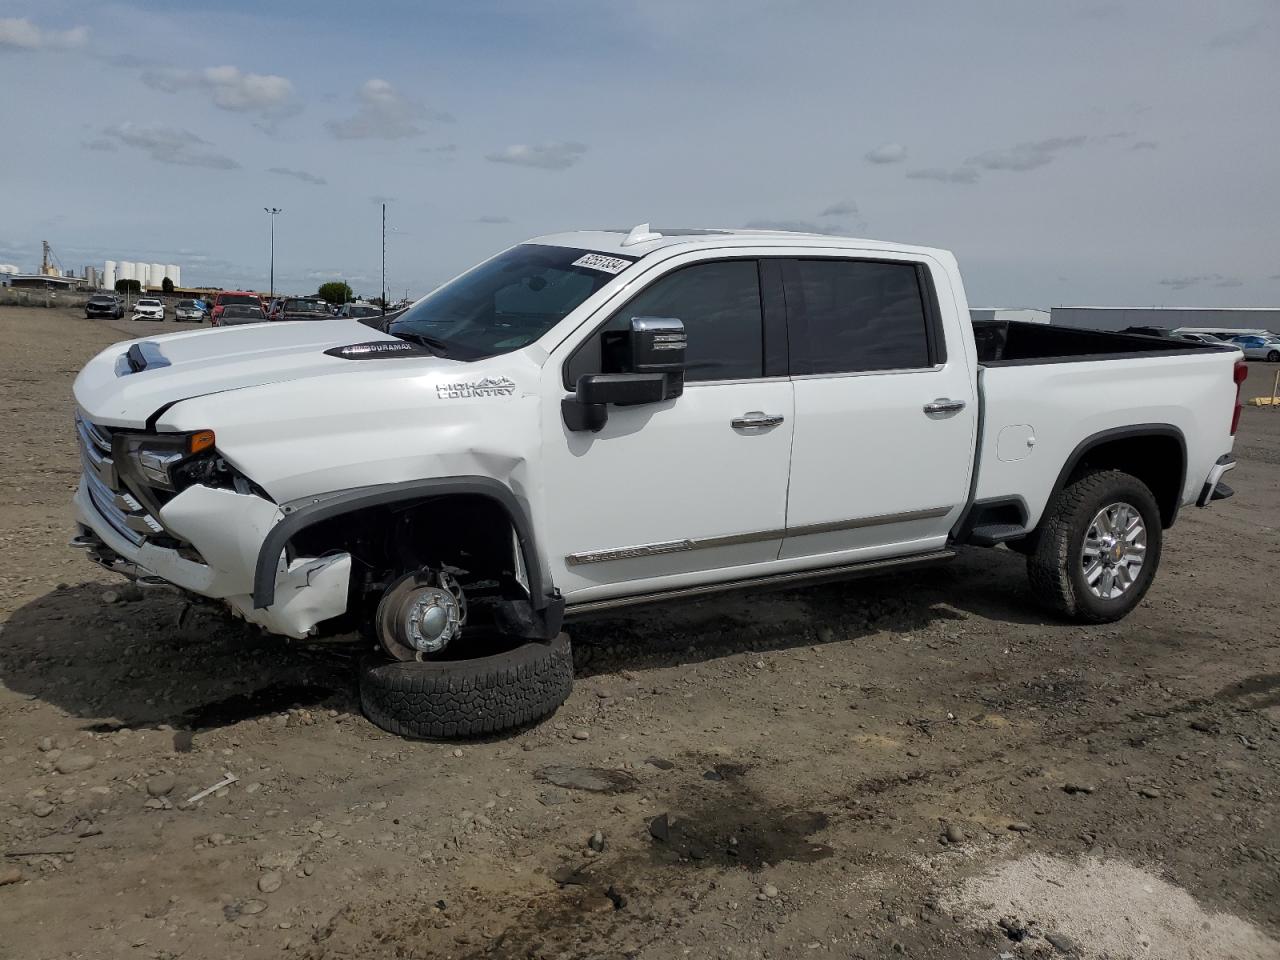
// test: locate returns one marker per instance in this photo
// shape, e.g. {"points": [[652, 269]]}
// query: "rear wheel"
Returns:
{"points": [[1273, 356], [1096, 550]]}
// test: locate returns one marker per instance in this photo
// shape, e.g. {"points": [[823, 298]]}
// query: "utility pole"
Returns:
{"points": [[384, 259], [273, 211]]}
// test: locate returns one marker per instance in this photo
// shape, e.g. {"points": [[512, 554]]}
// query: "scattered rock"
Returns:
{"points": [[74, 763], [1019, 827], [617, 896], [713, 775], [1204, 726], [270, 881], [457, 752], [45, 744], [660, 763], [1062, 943], [552, 798], [591, 779], [582, 734], [660, 828], [596, 842], [768, 892], [1074, 788], [110, 596], [160, 785], [954, 834], [570, 875], [10, 875], [1151, 793], [157, 803], [183, 741], [252, 907], [86, 829], [41, 808], [1014, 929]]}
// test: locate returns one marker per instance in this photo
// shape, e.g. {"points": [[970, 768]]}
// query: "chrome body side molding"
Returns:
{"points": [[706, 543]]}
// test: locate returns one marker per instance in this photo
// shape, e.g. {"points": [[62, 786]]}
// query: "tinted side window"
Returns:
{"points": [[858, 316], [719, 304]]}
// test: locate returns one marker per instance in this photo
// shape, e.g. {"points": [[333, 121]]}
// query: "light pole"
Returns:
{"points": [[384, 259], [273, 211]]}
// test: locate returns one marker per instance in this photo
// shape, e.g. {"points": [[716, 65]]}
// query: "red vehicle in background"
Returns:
{"points": [[241, 297]]}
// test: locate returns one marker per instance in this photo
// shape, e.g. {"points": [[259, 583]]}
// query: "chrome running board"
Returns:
{"points": [[792, 578]]}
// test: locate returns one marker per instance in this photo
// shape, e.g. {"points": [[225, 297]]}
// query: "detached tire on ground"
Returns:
{"points": [[444, 699], [1097, 548]]}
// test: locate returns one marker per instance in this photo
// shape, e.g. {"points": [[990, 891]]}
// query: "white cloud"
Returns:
{"points": [[19, 33], [844, 208], [298, 175], [545, 156], [795, 226], [492, 219], [230, 88], [167, 144], [1208, 280], [1145, 145], [1025, 156], [887, 153], [100, 143], [384, 114], [956, 175]]}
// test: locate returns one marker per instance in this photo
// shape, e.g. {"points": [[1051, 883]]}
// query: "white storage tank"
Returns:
{"points": [[109, 274], [156, 273], [172, 271], [126, 270]]}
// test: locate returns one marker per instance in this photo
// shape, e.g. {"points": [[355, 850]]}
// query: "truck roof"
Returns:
{"points": [[641, 240]]}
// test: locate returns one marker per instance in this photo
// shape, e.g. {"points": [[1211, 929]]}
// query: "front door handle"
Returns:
{"points": [[756, 419], [943, 405]]}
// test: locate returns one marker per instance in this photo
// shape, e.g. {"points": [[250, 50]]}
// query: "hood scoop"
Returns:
{"points": [[144, 355]]}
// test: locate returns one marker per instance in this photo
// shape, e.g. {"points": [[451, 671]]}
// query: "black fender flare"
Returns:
{"points": [[303, 513], [1134, 432]]}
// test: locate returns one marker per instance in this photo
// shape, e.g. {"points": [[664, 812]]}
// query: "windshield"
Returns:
{"points": [[363, 311], [508, 302], [306, 306], [239, 298]]}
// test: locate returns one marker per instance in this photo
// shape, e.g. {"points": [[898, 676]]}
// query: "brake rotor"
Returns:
{"points": [[421, 614]]}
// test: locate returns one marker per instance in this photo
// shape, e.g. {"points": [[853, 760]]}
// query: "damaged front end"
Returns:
{"points": [[169, 509]]}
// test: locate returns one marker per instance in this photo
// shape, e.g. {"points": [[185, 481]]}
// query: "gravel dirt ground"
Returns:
{"points": [[922, 765]]}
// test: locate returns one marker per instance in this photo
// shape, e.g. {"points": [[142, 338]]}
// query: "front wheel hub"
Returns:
{"points": [[421, 614]]}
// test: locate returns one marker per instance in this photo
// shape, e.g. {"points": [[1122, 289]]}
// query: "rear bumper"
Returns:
{"points": [[1214, 488], [227, 529]]}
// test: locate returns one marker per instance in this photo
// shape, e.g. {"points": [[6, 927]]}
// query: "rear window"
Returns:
{"points": [[245, 298], [306, 306], [858, 315]]}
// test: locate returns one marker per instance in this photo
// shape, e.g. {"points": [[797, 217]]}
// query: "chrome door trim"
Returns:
{"points": [[707, 543], [794, 577]]}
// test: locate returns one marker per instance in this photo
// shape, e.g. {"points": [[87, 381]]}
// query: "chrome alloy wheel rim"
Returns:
{"points": [[1114, 550]]}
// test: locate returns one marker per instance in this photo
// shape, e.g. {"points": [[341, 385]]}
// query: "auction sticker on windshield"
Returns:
{"points": [[598, 261]]}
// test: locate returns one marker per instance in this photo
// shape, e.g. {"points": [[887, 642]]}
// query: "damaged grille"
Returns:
{"points": [[117, 505]]}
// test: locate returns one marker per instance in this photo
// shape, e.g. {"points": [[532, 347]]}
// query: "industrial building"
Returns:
{"points": [[1169, 318]]}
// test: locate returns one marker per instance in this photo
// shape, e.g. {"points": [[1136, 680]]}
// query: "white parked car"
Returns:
{"points": [[597, 419], [148, 309], [1259, 347]]}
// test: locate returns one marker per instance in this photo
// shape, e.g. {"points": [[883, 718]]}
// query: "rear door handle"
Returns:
{"points": [[756, 419], [943, 405]]}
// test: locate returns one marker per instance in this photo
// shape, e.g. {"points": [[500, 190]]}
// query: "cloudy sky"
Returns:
{"points": [[1069, 152]]}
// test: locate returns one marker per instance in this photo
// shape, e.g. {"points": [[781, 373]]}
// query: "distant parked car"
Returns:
{"points": [[235, 314], [148, 309], [303, 308], [104, 305], [227, 297], [188, 310], [355, 311], [1259, 348], [1199, 338], [1148, 331]]}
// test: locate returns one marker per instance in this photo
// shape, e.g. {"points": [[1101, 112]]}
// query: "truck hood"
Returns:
{"points": [[124, 387]]}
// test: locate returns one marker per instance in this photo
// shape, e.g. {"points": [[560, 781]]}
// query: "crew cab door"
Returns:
{"points": [[675, 492], [885, 408]]}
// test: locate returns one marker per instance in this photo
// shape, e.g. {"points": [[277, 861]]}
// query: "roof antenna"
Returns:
{"points": [[639, 234]]}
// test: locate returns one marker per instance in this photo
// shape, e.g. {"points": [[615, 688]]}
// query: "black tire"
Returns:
{"points": [[443, 699], [1053, 567], [1274, 356]]}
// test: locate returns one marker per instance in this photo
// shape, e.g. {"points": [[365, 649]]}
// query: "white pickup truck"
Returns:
{"points": [[595, 419]]}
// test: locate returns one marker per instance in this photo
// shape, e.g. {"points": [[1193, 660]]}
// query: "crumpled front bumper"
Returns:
{"points": [[227, 530]]}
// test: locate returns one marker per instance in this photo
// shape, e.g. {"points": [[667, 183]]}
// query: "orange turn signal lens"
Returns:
{"points": [[200, 440]]}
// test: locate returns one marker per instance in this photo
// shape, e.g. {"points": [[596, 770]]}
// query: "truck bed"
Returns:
{"points": [[1009, 343]]}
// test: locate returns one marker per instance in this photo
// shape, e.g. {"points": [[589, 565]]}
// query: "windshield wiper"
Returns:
{"points": [[437, 346]]}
